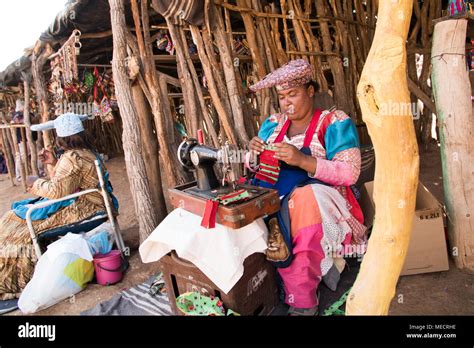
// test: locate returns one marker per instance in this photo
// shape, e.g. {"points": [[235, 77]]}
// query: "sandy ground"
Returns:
{"points": [[443, 293]]}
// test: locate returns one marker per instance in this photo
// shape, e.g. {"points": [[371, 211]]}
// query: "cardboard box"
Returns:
{"points": [[427, 250]]}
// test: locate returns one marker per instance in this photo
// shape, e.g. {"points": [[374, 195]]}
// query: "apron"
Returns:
{"points": [[290, 178]]}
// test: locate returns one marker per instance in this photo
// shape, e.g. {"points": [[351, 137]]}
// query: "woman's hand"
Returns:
{"points": [[288, 154], [30, 180], [257, 145], [47, 157]]}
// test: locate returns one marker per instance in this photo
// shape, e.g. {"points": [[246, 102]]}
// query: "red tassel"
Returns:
{"points": [[209, 217]]}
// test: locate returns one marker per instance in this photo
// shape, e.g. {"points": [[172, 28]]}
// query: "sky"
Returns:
{"points": [[21, 24]]}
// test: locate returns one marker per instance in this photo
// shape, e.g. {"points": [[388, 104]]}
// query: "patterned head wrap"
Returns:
{"points": [[295, 73]]}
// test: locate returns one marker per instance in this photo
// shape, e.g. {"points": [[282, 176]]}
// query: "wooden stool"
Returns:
{"points": [[255, 293]]}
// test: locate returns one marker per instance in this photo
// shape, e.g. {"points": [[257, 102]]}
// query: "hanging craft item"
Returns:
{"points": [[102, 109], [68, 56], [55, 86]]}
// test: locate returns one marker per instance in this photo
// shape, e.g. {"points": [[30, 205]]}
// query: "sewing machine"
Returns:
{"points": [[203, 161]]}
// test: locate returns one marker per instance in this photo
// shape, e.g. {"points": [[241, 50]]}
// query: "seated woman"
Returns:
{"points": [[312, 158], [74, 171]]}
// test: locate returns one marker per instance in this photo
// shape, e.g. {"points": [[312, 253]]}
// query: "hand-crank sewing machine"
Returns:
{"points": [[237, 204]]}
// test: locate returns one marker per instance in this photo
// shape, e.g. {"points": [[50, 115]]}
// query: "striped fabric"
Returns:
{"points": [[134, 301]]}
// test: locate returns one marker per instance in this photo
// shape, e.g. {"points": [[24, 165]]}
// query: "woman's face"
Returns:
{"points": [[296, 102]]}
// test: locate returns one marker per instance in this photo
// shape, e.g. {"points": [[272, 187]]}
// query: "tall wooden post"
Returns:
{"points": [[385, 100], [9, 150], [38, 59], [22, 163], [150, 153], [9, 156], [29, 135], [452, 92], [136, 170]]}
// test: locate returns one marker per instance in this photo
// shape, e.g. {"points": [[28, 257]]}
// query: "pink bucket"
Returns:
{"points": [[108, 268]]}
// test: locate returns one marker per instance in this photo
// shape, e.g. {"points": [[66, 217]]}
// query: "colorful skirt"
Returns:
{"points": [[322, 231]]}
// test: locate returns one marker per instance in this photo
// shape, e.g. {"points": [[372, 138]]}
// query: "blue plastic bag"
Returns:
{"points": [[99, 243]]}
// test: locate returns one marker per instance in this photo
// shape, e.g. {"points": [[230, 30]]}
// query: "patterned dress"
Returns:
{"points": [[75, 171], [326, 220]]}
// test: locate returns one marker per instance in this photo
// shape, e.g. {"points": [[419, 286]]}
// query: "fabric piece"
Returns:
{"points": [[219, 253], [318, 239], [267, 128], [334, 172], [340, 135], [7, 306], [190, 11], [210, 212], [20, 208], [295, 73], [66, 125], [301, 279], [134, 301], [194, 303]]}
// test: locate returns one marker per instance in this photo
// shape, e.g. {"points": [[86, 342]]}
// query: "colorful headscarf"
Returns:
{"points": [[295, 73]]}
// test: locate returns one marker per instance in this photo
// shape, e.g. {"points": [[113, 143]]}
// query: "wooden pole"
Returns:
{"points": [[41, 51], [223, 112], [24, 148], [340, 91], [384, 83], [136, 169], [452, 92], [216, 23], [150, 153], [211, 128], [16, 148], [8, 154], [152, 88], [29, 135]]}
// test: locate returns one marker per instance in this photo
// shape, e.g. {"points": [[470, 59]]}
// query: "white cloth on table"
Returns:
{"points": [[218, 252]]}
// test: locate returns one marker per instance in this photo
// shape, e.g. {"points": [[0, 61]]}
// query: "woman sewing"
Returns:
{"points": [[74, 171], [312, 158]]}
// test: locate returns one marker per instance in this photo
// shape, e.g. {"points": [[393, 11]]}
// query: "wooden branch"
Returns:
{"points": [[198, 90], [38, 60], [315, 19], [136, 170], [223, 111], [383, 82], [16, 148], [217, 27], [8, 153], [29, 135], [413, 87]]}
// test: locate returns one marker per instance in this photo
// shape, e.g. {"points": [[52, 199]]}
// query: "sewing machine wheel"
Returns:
{"points": [[184, 151]]}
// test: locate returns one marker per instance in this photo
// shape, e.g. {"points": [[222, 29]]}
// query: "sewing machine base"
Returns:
{"points": [[262, 202]]}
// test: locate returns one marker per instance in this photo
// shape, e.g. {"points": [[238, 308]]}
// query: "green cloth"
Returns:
{"points": [[193, 303]]}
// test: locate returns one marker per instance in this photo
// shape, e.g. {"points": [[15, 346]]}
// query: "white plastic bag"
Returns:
{"points": [[62, 271]]}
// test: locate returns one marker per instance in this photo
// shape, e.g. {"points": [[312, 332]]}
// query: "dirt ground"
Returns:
{"points": [[443, 293]]}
